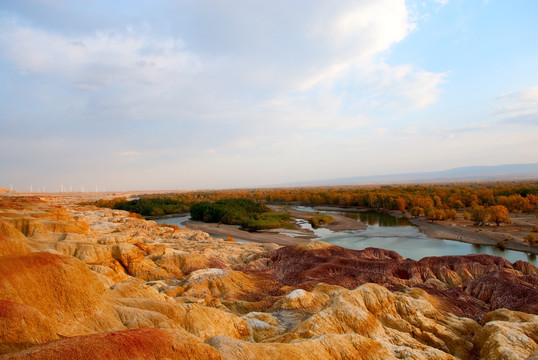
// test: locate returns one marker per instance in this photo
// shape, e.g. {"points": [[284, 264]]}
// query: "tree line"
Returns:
{"points": [[435, 202]]}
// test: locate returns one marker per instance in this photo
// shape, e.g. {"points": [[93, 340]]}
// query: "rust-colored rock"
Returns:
{"points": [[468, 285], [323, 348], [505, 290], [246, 300], [9, 231], [22, 326], [10, 246], [62, 288], [128, 344]]}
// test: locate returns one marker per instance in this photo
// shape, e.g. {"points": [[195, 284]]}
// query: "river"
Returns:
{"points": [[387, 232], [390, 233]]}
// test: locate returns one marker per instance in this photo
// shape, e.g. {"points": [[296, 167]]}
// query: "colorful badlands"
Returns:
{"points": [[90, 283]]}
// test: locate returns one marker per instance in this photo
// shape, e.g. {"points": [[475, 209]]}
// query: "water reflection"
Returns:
{"points": [[376, 219], [175, 220], [370, 218], [387, 232]]}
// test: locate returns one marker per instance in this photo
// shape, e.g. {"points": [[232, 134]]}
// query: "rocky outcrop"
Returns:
{"points": [[127, 288], [325, 347], [61, 288], [11, 246], [405, 322], [468, 285], [22, 326], [508, 335], [9, 231], [501, 289], [129, 344]]}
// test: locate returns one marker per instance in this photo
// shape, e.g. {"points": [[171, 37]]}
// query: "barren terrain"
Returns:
{"points": [[92, 283]]}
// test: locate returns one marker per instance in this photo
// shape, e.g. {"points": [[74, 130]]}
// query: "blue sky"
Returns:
{"points": [[127, 95]]}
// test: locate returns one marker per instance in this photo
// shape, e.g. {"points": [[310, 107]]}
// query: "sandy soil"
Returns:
{"points": [[340, 223], [261, 236], [490, 235], [458, 230]]}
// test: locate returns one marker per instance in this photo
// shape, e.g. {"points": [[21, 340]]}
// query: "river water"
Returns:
{"points": [[390, 233]]}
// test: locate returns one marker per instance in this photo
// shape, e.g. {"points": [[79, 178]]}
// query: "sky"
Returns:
{"points": [[199, 94]]}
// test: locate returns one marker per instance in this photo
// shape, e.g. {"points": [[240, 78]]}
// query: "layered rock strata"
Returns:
{"points": [[82, 282]]}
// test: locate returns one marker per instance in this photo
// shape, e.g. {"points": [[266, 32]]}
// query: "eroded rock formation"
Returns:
{"points": [[83, 282]]}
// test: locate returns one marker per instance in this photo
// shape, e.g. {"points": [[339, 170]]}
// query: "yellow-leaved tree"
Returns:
{"points": [[498, 214]]}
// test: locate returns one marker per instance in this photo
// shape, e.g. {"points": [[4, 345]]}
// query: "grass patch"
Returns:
{"points": [[249, 214], [320, 220], [269, 220]]}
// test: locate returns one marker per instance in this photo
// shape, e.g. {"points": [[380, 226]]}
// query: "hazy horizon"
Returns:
{"points": [[132, 95]]}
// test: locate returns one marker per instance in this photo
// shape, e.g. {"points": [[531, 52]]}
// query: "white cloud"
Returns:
{"points": [[97, 60], [519, 107], [328, 44], [256, 81]]}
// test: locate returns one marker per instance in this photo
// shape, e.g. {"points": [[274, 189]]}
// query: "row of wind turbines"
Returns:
{"points": [[60, 188]]}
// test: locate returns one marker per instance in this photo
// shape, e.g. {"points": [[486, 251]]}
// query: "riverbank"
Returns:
{"points": [[275, 236], [491, 236], [339, 223], [510, 236], [460, 230]]}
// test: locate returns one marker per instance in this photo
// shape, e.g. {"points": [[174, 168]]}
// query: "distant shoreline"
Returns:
{"points": [[470, 235], [260, 236], [439, 230]]}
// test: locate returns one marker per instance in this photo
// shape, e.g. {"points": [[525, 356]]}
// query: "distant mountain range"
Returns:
{"points": [[461, 174]]}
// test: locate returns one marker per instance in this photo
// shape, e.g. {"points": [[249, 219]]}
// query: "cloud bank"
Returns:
{"points": [[209, 94]]}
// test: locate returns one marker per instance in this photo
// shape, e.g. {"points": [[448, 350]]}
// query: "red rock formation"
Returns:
{"points": [[128, 344], [62, 288], [504, 290], [22, 326], [127, 273], [465, 285]]}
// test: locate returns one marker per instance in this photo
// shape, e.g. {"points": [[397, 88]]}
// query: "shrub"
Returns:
{"points": [[451, 214], [320, 220], [249, 214], [530, 238]]}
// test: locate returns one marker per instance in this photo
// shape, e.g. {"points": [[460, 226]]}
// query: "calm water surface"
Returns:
{"points": [[390, 233], [177, 220]]}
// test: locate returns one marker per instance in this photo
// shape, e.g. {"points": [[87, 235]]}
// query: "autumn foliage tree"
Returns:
{"points": [[498, 214], [479, 214], [435, 214], [417, 199], [416, 211], [451, 214]]}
